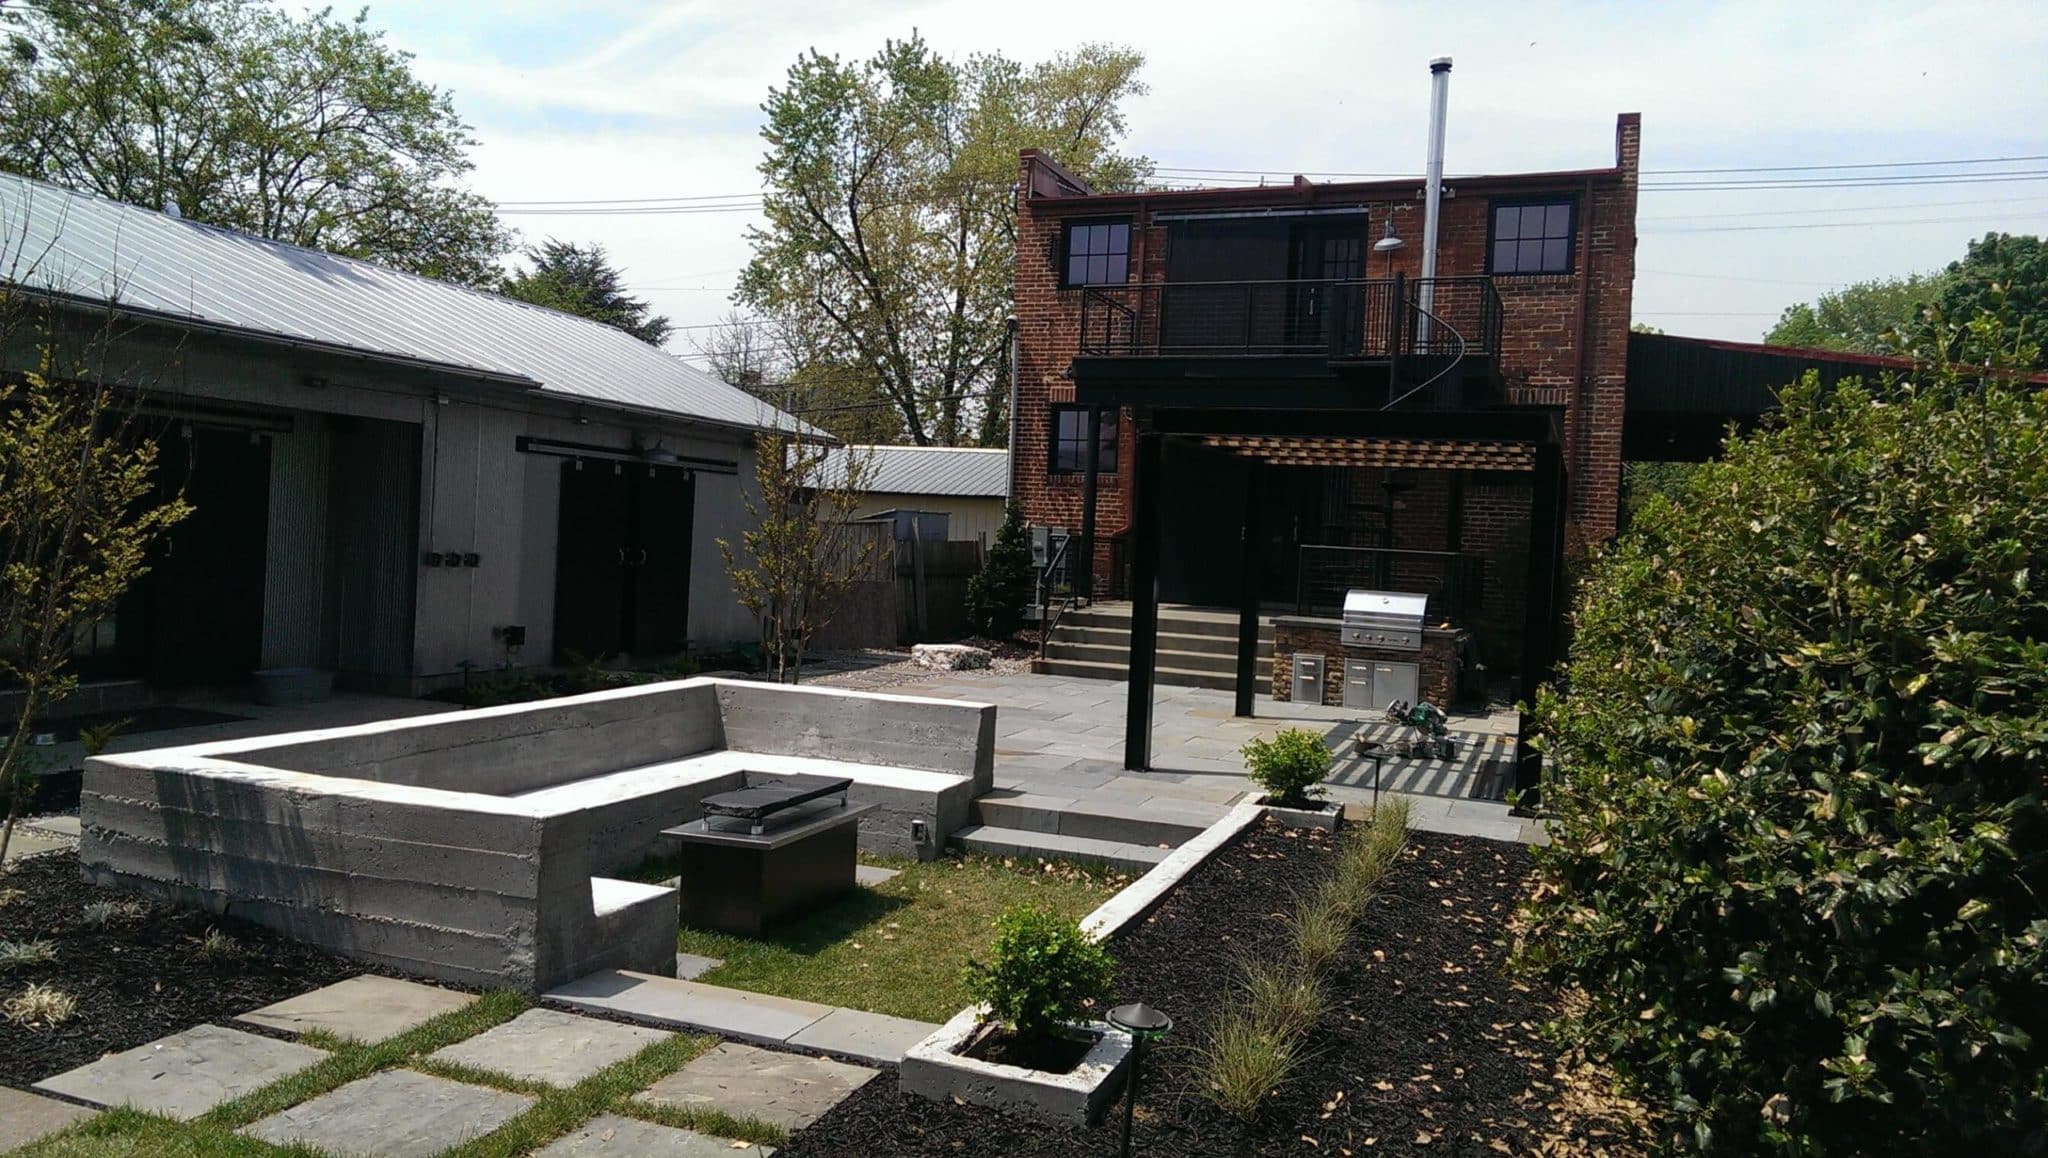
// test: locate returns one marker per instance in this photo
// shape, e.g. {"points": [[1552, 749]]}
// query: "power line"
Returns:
{"points": [[1733, 277], [1283, 172], [1832, 225], [1849, 209]]}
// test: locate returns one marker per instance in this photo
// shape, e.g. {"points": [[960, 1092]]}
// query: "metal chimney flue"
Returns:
{"points": [[1433, 189]]}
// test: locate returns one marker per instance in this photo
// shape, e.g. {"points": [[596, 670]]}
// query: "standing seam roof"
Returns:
{"points": [[83, 246]]}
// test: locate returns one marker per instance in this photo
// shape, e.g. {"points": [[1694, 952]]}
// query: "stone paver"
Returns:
{"points": [[366, 1008], [869, 1036], [24, 1117], [871, 875], [783, 1089], [1062, 736], [690, 966], [186, 1074], [396, 1113], [691, 1004], [614, 1134], [547, 1045]]}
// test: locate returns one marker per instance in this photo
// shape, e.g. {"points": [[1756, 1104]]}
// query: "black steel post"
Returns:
{"points": [[1144, 539], [1092, 462], [1250, 559], [1138, 1044], [1542, 596]]}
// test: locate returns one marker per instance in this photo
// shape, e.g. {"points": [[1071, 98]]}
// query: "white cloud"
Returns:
{"points": [[660, 99]]}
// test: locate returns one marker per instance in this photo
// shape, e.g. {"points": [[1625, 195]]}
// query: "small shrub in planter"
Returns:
{"points": [[1290, 767], [1042, 975]]}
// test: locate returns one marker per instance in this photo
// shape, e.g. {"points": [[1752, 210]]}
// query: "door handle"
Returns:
{"points": [[643, 556]]}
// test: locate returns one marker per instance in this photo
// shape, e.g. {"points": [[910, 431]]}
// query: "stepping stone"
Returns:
{"points": [[397, 1113], [873, 1037], [690, 966], [24, 1117], [870, 875], [613, 1134], [186, 1074], [547, 1045], [782, 1089], [366, 1008], [691, 1004]]}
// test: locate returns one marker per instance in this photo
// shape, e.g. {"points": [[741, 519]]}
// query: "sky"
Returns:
{"points": [[618, 99]]}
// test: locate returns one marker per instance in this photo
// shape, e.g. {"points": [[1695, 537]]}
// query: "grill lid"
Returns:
{"points": [[1385, 607]]}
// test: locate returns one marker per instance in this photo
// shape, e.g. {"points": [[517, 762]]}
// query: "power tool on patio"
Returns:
{"points": [[1431, 738]]}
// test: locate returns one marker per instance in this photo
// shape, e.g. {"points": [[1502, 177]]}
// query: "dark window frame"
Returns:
{"points": [[1066, 251], [1106, 461], [1571, 235]]}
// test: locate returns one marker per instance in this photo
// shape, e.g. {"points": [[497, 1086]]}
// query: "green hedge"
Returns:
{"points": [[1797, 782]]}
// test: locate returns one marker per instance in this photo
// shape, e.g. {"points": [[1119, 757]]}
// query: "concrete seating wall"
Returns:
{"points": [[475, 846]]}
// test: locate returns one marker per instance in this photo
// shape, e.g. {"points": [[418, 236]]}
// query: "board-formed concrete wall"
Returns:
{"points": [[473, 846]]}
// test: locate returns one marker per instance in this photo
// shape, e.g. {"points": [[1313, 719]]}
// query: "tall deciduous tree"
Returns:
{"points": [[1864, 318], [307, 129], [891, 212], [2016, 264], [580, 279]]}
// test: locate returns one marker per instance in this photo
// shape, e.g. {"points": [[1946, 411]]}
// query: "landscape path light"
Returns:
{"points": [[1145, 1025]]}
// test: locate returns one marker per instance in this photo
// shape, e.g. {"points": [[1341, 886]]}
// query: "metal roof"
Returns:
{"points": [[966, 472], [78, 245]]}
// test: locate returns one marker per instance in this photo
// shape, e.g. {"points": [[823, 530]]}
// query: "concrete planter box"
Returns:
{"points": [[937, 1068], [1326, 816]]}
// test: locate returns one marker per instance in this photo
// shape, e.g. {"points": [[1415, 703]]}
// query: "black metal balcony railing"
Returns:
{"points": [[1339, 320], [1454, 581]]}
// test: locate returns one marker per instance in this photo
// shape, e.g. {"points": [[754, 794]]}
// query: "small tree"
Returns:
{"points": [[804, 550], [1799, 867], [77, 519], [996, 597]]}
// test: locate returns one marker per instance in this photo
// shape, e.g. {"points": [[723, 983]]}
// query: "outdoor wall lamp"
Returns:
{"points": [[1145, 1025]]}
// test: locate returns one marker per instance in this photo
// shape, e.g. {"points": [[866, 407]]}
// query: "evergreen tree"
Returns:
{"points": [[580, 279], [996, 597]]}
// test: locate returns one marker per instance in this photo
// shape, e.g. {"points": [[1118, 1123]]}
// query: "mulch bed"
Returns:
{"points": [[139, 977], [1427, 1049]]}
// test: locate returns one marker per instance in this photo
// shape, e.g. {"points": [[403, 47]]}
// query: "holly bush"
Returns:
{"points": [[1796, 788], [1042, 973]]}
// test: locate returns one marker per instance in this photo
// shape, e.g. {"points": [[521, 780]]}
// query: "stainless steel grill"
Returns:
{"points": [[1389, 619]]}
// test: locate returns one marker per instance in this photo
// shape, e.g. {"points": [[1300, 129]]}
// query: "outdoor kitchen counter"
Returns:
{"points": [[1316, 635]]}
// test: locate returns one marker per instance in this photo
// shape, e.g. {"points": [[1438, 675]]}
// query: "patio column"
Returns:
{"points": [[1542, 594], [1250, 570], [1092, 463], [1144, 601]]}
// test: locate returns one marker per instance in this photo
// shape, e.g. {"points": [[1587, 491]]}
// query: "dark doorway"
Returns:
{"points": [[622, 560], [196, 619], [1326, 312]]}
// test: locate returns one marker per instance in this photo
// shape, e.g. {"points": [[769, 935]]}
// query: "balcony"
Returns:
{"points": [[1428, 344]]}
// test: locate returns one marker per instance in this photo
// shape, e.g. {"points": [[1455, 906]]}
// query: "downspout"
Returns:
{"points": [[1011, 325], [1579, 391], [1433, 185]]}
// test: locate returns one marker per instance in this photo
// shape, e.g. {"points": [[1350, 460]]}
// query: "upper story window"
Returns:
{"points": [[1531, 237], [1070, 441], [1098, 253]]}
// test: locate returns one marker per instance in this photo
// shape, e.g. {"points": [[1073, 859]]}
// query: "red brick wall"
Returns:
{"points": [[1542, 332]]}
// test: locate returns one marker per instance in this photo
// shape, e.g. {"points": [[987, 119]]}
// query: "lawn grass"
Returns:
{"points": [[899, 947]]}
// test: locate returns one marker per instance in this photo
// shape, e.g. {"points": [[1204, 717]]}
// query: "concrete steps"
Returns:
{"points": [[990, 840], [1120, 820], [1197, 648]]}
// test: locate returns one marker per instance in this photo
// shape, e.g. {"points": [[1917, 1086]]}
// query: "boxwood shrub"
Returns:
{"points": [[1796, 785]]}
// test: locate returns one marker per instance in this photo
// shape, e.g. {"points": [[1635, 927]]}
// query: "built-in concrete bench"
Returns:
{"points": [[482, 846]]}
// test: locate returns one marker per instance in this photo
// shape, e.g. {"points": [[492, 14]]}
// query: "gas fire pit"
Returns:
{"points": [[777, 847]]}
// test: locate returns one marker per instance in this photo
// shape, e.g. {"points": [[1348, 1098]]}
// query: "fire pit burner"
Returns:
{"points": [[761, 797]]}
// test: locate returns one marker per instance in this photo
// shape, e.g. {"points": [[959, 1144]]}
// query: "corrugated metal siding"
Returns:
{"points": [[928, 470], [967, 519], [1674, 375], [71, 243]]}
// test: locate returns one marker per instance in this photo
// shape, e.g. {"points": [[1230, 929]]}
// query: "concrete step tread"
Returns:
{"points": [[667, 1002], [993, 840]]}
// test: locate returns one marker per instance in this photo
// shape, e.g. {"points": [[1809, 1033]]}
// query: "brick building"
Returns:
{"points": [[1285, 407]]}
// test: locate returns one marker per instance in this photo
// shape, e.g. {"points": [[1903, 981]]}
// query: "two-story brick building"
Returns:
{"points": [[1284, 407]]}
